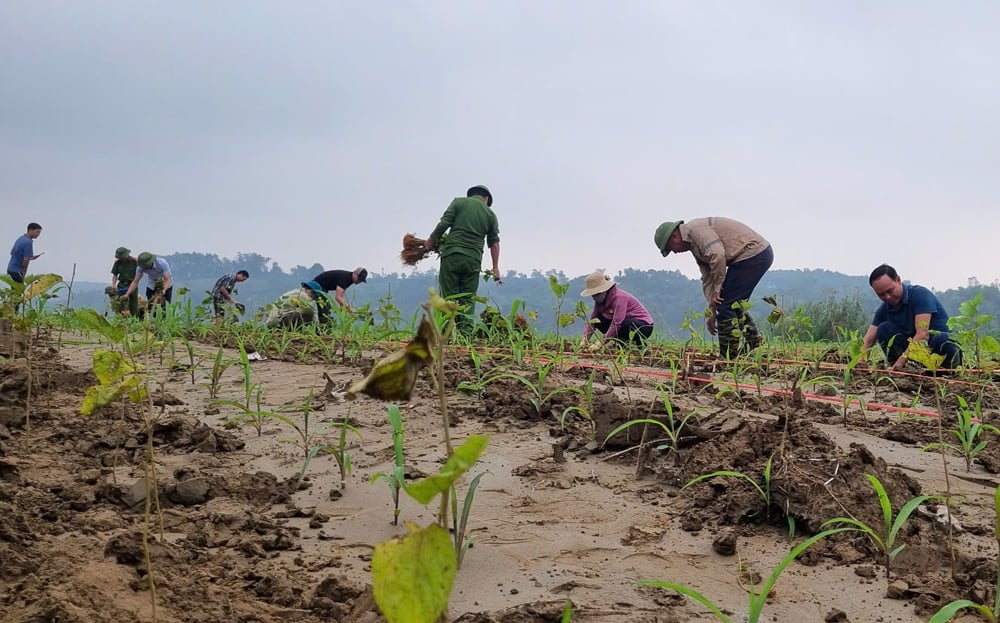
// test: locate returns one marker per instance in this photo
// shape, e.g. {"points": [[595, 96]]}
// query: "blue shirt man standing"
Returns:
{"points": [[23, 252], [908, 313]]}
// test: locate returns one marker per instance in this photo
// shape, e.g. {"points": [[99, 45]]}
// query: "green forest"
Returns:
{"points": [[828, 299]]}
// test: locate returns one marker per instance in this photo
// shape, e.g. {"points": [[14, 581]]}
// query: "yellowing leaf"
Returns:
{"points": [[111, 366], [393, 378], [922, 354], [98, 396], [441, 304], [412, 576], [41, 285], [464, 457]]}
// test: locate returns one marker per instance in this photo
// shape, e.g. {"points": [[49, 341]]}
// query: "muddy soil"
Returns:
{"points": [[559, 514]]}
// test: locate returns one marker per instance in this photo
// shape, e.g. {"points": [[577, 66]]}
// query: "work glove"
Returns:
{"points": [[596, 346]]}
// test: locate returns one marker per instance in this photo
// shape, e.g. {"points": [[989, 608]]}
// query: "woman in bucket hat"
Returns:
{"points": [[617, 314]]}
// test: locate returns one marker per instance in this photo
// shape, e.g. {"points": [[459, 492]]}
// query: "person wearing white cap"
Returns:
{"points": [[617, 314]]}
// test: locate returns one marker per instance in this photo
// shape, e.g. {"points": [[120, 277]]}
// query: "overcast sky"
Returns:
{"points": [[848, 133]]}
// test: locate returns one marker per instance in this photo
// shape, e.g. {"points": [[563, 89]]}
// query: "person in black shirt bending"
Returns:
{"points": [[337, 281]]}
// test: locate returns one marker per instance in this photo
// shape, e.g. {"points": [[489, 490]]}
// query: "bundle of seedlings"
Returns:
{"points": [[415, 249]]}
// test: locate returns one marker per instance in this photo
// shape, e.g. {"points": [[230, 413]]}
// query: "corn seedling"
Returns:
{"points": [[968, 431], [483, 376], [397, 478], [460, 521], [539, 395], [570, 410], [252, 397], [672, 428], [312, 442], [946, 613], [757, 598], [220, 363], [763, 487], [883, 537]]}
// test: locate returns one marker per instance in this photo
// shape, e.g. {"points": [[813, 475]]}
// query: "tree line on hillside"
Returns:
{"points": [[829, 299]]}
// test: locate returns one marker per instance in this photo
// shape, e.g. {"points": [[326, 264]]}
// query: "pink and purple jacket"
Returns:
{"points": [[618, 306]]}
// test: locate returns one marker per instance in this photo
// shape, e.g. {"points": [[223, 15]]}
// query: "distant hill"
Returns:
{"points": [[669, 295]]}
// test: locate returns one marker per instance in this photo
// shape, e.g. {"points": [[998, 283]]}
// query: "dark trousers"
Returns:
{"points": [[741, 279], [736, 328], [631, 329], [459, 280], [18, 278], [133, 299], [323, 309], [939, 343], [167, 295]]}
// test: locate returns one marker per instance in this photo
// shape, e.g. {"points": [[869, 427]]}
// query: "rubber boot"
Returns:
{"points": [[729, 339], [751, 336]]}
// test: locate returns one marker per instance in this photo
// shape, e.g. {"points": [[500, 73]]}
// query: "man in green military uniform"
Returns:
{"points": [[122, 274], [467, 221]]}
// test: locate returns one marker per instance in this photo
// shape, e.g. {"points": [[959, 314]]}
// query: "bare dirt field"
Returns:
{"points": [[556, 516]]}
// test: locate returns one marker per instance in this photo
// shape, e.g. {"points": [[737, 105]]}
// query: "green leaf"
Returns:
{"points": [[566, 319], [990, 344], [90, 319], [948, 612], [412, 576], [693, 594], [465, 456]]}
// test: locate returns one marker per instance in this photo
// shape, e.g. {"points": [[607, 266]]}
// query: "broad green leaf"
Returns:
{"points": [[948, 612], [990, 344], [412, 576], [566, 319], [94, 321], [461, 461]]}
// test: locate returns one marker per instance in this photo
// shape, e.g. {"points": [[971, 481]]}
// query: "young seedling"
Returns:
{"points": [[459, 522], [397, 478], [672, 429], [968, 431], [540, 396], [763, 488], [483, 376], [757, 598], [946, 613], [220, 363], [884, 538], [312, 442]]}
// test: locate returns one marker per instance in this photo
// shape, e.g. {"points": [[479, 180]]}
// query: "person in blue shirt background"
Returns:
{"points": [[23, 252], [908, 313]]}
